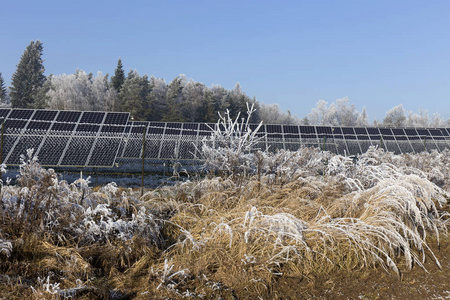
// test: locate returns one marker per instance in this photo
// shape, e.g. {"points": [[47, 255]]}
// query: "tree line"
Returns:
{"points": [[181, 100]]}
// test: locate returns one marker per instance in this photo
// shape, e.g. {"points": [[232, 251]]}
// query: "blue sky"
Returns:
{"points": [[293, 53]]}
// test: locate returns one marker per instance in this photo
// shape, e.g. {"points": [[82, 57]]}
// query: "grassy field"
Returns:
{"points": [[304, 224]]}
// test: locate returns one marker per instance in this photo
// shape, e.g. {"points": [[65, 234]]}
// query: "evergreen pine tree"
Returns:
{"points": [[135, 95], [119, 76], [175, 101], [2, 89], [29, 77]]}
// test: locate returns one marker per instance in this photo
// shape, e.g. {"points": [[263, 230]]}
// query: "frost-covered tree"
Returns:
{"points": [[340, 113], [417, 120], [157, 99], [436, 121], [319, 114], [395, 117], [271, 114], [345, 114], [195, 108], [119, 76], [80, 91], [104, 95], [362, 119], [29, 77]]}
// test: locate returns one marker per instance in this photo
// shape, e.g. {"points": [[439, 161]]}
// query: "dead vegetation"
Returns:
{"points": [[302, 215]]}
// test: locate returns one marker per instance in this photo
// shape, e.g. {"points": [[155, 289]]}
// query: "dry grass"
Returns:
{"points": [[301, 215]]}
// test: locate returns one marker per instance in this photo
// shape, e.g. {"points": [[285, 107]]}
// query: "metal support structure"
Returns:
{"points": [[144, 133]]}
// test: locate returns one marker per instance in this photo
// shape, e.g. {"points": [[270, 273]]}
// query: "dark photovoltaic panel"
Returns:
{"points": [[291, 134], [20, 148], [45, 115], [156, 128], [411, 132], [436, 134], [307, 129], [23, 114], [52, 150], [77, 151], [63, 126], [189, 129], [116, 118], [113, 129], [16, 124], [348, 131], [423, 132], [68, 116], [4, 112], [92, 117], [35, 125], [104, 152], [444, 132], [273, 129], [324, 131], [87, 128]]}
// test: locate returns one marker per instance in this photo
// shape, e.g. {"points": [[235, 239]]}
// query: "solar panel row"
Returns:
{"points": [[62, 138], [75, 138]]}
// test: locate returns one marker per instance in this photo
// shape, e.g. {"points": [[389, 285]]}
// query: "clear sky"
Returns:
{"points": [[293, 53]]}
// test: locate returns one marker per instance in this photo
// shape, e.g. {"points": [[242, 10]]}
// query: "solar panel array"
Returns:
{"points": [[182, 141], [62, 138], [100, 139]]}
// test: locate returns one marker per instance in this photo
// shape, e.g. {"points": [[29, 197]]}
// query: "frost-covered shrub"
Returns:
{"points": [[40, 204], [228, 149]]}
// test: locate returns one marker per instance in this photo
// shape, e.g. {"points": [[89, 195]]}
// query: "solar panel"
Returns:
{"points": [[348, 131], [4, 112], [52, 150], [189, 129], [324, 130], [68, 127], [92, 117], [20, 148], [104, 152], [172, 131], [156, 128], [23, 114], [45, 115], [274, 132], [15, 124], [307, 129], [116, 118], [112, 129], [360, 131], [87, 128], [436, 134], [35, 125], [410, 132], [336, 130], [68, 116], [423, 132], [77, 151], [273, 129], [444, 132], [291, 134]]}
